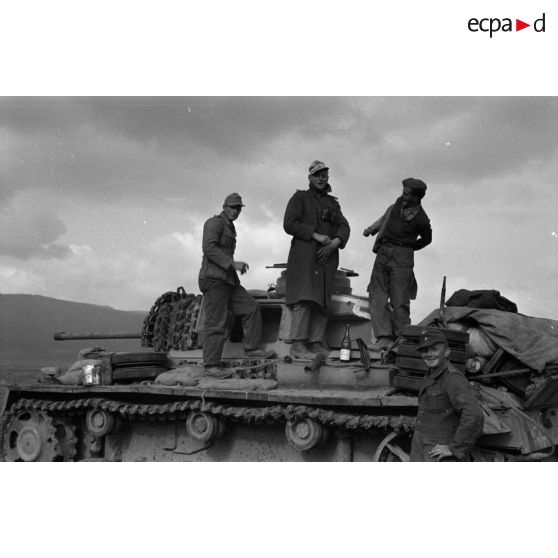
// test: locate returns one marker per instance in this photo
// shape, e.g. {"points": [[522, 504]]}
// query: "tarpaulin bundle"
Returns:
{"points": [[533, 341], [481, 299]]}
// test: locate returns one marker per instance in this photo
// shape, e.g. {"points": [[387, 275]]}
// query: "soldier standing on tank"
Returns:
{"points": [[449, 419], [219, 283], [313, 218], [403, 229]]}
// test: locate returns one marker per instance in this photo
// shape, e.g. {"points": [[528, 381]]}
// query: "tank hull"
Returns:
{"points": [[154, 423], [149, 441]]}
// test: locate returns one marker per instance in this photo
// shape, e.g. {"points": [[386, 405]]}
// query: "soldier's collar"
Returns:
{"points": [[433, 374], [226, 219], [322, 192]]}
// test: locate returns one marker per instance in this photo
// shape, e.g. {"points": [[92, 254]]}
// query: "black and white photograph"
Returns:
{"points": [[262, 275], [264, 269]]}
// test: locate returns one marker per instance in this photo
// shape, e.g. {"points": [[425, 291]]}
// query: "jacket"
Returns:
{"points": [[218, 246], [305, 279], [419, 226], [448, 411]]}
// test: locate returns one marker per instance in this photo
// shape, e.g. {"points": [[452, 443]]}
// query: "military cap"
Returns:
{"points": [[233, 200], [429, 337], [415, 184], [317, 166]]}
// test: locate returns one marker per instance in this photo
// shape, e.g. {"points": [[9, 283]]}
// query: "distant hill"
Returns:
{"points": [[28, 323]]}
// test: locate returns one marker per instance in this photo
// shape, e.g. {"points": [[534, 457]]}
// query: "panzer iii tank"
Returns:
{"points": [[151, 405]]}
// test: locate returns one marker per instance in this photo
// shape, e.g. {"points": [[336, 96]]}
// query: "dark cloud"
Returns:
{"points": [[457, 140], [231, 126], [30, 232], [144, 147], [132, 148], [501, 136]]}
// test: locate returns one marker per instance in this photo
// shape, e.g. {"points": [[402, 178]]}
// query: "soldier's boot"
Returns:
{"points": [[218, 372], [298, 350], [381, 344], [317, 348], [260, 353]]}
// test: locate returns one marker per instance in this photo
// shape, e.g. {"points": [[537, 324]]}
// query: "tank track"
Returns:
{"points": [[178, 410], [170, 324]]}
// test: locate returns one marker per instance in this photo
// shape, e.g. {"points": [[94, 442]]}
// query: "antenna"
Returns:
{"points": [[443, 304]]}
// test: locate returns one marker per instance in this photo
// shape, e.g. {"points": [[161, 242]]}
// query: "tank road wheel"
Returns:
{"points": [[31, 436], [304, 434], [388, 450], [66, 438], [99, 422], [204, 427]]}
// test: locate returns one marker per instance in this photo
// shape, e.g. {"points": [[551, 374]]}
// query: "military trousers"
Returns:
{"points": [[392, 281], [218, 299], [308, 322]]}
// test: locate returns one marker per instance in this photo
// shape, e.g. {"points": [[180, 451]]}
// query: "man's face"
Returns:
{"points": [[409, 198], [232, 211], [319, 179], [435, 355]]}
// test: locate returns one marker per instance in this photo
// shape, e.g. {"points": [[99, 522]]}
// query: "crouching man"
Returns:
{"points": [[450, 418]]}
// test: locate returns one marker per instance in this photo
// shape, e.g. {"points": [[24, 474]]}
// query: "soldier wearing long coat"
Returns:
{"points": [[314, 219]]}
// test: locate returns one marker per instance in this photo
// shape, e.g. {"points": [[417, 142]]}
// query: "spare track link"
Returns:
{"points": [[171, 320], [179, 409]]}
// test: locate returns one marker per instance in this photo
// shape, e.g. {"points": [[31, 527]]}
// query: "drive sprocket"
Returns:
{"points": [[31, 436]]}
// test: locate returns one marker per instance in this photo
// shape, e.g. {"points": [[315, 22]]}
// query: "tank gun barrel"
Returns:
{"points": [[63, 336]]}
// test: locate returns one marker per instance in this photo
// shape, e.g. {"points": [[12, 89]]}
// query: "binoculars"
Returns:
{"points": [[328, 215]]}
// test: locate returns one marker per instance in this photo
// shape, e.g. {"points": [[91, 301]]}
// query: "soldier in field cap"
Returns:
{"points": [[449, 418], [319, 230], [401, 231], [219, 283]]}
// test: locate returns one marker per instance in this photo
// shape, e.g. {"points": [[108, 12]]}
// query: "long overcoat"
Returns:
{"points": [[305, 278]]}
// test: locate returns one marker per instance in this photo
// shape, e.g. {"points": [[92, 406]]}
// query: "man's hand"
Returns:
{"points": [[241, 266], [368, 231], [323, 254], [440, 451], [322, 239], [325, 251]]}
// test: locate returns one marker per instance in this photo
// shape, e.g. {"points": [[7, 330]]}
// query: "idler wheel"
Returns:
{"points": [[305, 434], [388, 450], [204, 427], [99, 422], [31, 436]]}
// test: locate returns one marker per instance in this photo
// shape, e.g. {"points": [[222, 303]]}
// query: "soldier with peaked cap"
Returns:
{"points": [[449, 419], [219, 283], [403, 229], [319, 230]]}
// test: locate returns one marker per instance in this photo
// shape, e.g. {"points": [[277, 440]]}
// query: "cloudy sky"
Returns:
{"points": [[103, 200]]}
